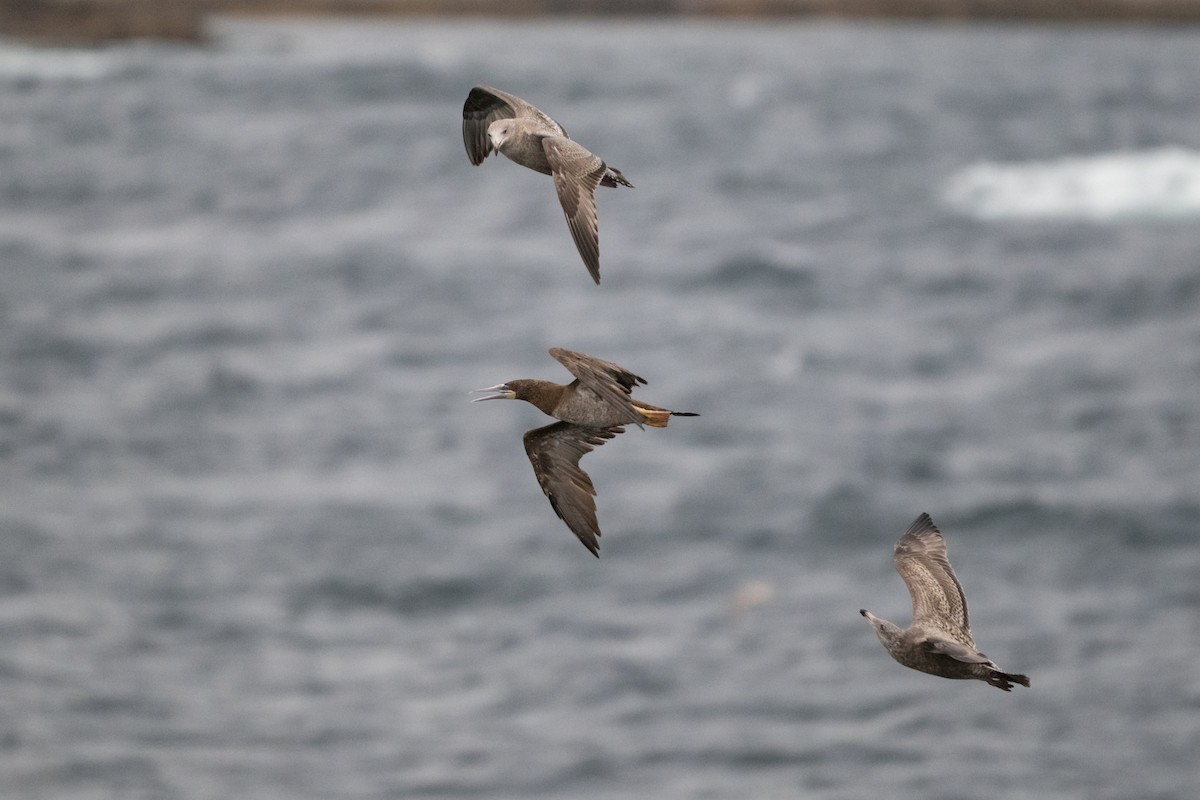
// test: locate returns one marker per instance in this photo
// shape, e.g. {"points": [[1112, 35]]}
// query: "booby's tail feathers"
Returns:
{"points": [[657, 417]]}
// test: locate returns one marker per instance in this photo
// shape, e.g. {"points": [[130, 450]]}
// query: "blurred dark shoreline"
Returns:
{"points": [[86, 21]]}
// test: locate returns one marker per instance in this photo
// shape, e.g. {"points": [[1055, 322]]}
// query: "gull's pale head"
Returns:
{"points": [[888, 632], [499, 131]]}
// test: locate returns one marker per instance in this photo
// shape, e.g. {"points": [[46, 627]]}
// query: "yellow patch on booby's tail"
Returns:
{"points": [[657, 417]]}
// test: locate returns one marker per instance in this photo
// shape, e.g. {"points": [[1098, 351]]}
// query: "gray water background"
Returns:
{"points": [[256, 543]]}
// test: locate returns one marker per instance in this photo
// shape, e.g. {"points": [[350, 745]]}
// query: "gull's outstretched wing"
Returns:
{"points": [[485, 105], [937, 596], [577, 172]]}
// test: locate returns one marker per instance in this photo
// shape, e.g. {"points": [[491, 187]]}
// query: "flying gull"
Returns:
{"points": [[939, 640], [592, 409], [499, 121]]}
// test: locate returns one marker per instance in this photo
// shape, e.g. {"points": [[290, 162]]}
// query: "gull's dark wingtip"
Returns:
{"points": [[590, 542], [588, 251], [922, 524]]}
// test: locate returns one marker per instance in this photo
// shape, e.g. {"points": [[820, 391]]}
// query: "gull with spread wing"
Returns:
{"points": [[939, 639], [496, 121]]}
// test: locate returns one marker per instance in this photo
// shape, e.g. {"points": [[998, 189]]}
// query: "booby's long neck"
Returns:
{"points": [[543, 395]]}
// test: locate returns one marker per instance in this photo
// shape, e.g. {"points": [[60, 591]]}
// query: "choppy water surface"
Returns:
{"points": [[255, 542]]}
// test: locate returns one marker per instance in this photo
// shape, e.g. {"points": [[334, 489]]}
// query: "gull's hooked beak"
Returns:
{"points": [[498, 392]]}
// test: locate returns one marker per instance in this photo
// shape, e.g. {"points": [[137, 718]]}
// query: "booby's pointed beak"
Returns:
{"points": [[498, 392], [865, 613]]}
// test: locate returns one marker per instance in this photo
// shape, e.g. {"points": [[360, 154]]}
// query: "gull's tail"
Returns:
{"points": [[1005, 680], [613, 176]]}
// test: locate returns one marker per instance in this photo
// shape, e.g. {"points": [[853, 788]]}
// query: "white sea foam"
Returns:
{"points": [[18, 61], [1162, 183]]}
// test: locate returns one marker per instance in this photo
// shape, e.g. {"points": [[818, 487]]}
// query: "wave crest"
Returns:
{"points": [[1162, 183]]}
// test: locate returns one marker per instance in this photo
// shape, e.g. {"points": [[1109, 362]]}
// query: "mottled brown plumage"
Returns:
{"points": [[592, 409], [495, 121], [939, 639]]}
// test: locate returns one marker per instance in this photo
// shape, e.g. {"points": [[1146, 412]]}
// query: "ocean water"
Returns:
{"points": [[255, 541]]}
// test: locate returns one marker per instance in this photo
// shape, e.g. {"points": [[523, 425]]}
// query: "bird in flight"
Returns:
{"points": [[498, 121], [591, 409], [939, 639]]}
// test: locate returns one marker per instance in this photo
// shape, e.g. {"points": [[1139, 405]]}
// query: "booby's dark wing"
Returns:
{"points": [[937, 596], [577, 172], [485, 105], [610, 382], [555, 451]]}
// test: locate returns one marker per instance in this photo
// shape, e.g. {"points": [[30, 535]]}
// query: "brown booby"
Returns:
{"points": [[939, 639], [592, 409], [497, 121]]}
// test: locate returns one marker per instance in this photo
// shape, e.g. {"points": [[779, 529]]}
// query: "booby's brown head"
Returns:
{"points": [[544, 395]]}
